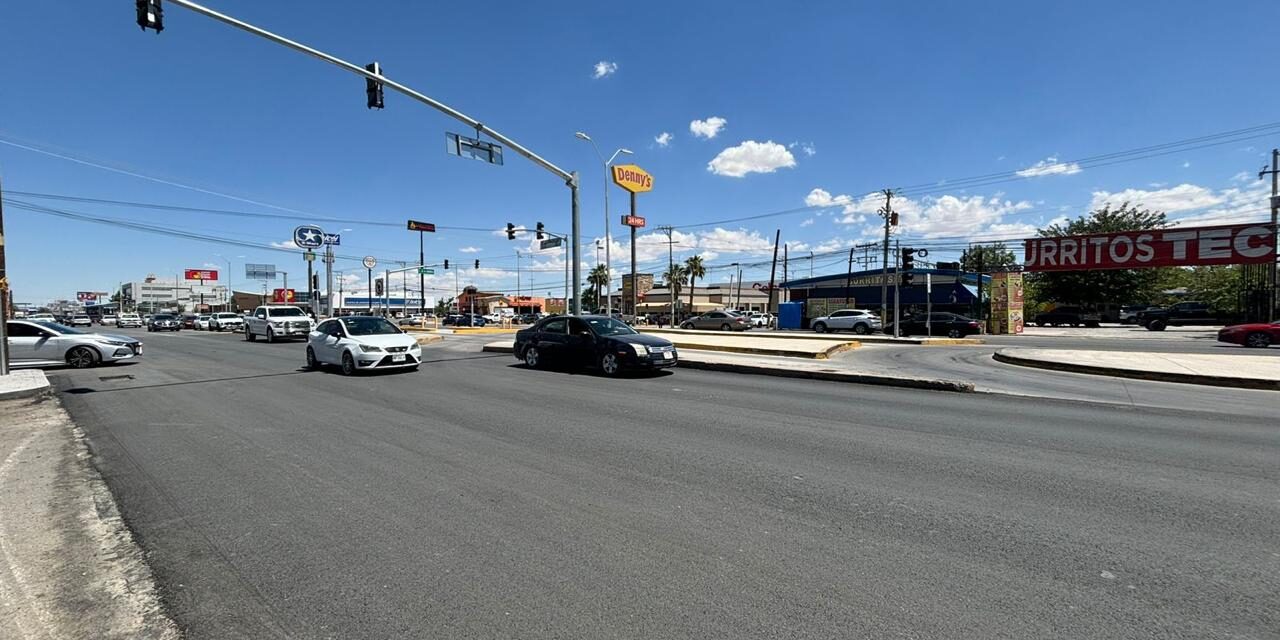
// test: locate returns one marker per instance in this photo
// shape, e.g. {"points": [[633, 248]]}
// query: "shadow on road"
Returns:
{"points": [[87, 390], [594, 373]]}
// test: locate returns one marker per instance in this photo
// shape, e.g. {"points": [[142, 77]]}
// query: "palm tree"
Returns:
{"points": [[599, 277], [695, 269], [675, 277]]}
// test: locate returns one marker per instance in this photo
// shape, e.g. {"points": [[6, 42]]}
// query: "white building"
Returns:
{"points": [[174, 294]]}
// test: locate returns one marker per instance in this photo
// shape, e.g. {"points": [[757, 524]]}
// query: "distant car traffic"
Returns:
{"points": [[202, 322], [466, 320], [362, 343], [1129, 313], [41, 317], [129, 320], [164, 322], [722, 320], [41, 343], [189, 321], [226, 321], [1187, 313], [1074, 316], [859, 321], [1257, 335], [277, 322], [413, 321], [108, 320], [939, 324], [598, 341]]}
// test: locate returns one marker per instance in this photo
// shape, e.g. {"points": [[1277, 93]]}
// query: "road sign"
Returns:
{"points": [[632, 178], [633, 221], [415, 225], [308, 236], [201, 274], [370, 262], [550, 243], [86, 296], [260, 271], [333, 238], [460, 145], [309, 256], [423, 271]]}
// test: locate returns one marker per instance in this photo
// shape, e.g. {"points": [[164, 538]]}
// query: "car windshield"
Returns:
{"points": [[287, 312], [163, 317], [227, 316], [58, 328], [609, 327], [369, 326]]}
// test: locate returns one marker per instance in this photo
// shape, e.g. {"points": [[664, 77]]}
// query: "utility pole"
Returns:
{"points": [[370, 270], [517, 281], [897, 278], [310, 257], [4, 299], [328, 279], [1275, 231], [768, 307], [890, 218], [848, 279]]}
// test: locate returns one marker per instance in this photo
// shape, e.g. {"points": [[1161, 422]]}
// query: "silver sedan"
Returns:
{"points": [[42, 344]]}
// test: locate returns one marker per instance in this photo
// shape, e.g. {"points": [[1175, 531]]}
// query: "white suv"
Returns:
{"points": [[226, 321], [859, 321], [277, 322]]}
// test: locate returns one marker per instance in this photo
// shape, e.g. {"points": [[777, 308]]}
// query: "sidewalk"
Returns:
{"points": [[69, 567], [794, 347], [1225, 370]]}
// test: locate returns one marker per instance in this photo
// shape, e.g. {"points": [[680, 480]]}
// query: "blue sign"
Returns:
{"points": [[332, 238], [308, 236]]}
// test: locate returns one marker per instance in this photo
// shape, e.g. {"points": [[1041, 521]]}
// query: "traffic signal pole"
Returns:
{"points": [[570, 178], [4, 299]]}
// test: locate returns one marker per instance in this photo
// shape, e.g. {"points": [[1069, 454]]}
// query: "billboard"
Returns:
{"points": [[282, 296], [86, 296], [201, 274], [632, 178], [1177, 247], [1006, 303], [259, 271]]}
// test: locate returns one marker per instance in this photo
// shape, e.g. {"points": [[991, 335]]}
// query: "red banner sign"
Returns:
{"points": [[1177, 247], [282, 296], [201, 274], [633, 221]]}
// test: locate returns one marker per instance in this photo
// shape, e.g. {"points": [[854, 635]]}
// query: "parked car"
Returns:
{"points": [[226, 321], [412, 321], [1257, 335], [41, 317], [600, 341], [108, 320], [859, 321], [466, 320], [527, 318], [202, 322], [189, 321], [760, 318], [1182, 314], [80, 320], [722, 320], [1074, 316], [129, 320], [278, 322], [362, 343], [938, 324], [164, 322], [1129, 313], [38, 343]]}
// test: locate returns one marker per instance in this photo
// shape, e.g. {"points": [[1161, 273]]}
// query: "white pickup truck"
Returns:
{"points": [[277, 322]]}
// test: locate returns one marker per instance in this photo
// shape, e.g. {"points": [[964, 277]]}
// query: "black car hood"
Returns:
{"points": [[640, 338]]}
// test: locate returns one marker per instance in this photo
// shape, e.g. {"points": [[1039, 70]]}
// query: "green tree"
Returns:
{"points": [[590, 300], [599, 278], [1100, 286], [694, 269], [442, 306], [1219, 286], [987, 258], [675, 276]]}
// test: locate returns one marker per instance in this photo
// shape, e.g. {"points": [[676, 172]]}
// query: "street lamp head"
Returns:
{"points": [[582, 136], [626, 151]]}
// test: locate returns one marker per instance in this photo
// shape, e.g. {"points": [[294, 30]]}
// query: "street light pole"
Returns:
{"points": [[608, 222]]}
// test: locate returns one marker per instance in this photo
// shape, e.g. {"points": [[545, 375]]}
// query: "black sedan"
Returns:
{"points": [[940, 324], [598, 341], [164, 322]]}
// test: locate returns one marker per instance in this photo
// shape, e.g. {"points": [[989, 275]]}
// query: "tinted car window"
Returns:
{"points": [[841, 314], [325, 326], [23, 330], [287, 312], [555, 326], [577, 326], [369, 326], [610, 327]]}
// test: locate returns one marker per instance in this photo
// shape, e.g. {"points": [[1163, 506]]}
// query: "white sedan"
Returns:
{"points": [[361, 343]]}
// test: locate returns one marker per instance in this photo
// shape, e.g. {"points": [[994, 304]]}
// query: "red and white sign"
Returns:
{"points": [[201, 274], [1177, 247], [633, 221]]}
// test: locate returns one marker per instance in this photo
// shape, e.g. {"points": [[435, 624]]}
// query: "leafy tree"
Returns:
{"points": [[675, 276], [987, 258], [599, 278], [442, 306], [695, 269], [1116, 286], [1219, 286], [590, 299]]}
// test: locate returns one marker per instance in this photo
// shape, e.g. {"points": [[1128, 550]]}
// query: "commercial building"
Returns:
{"points": [[753, 296], [158, 294], [953, 291]]}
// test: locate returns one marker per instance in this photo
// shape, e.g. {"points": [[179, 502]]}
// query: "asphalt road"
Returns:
{"points": [[477, 499]]}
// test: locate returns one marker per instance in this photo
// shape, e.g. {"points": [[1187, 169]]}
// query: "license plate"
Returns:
{"points": [[667, 355], [399, 358]]}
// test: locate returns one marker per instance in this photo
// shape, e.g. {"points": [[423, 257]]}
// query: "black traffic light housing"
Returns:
{"points": [[315, 281], [446, 264], [908, 258], [377, 287], [477, 264], [150, 15], [908, 279], [372, 88], [511, 231], [541, 229]]}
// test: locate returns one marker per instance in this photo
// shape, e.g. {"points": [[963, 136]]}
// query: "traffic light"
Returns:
{"points": [[511, 231], [315, 281], [150, 15], [893, 219], [908, 258], [907, 278], [540, 230], [372, 88], [377, 287], [477, 264], [446, 264]]}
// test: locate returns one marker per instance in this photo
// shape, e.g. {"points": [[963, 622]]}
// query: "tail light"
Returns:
{"points": [[973, 324]]}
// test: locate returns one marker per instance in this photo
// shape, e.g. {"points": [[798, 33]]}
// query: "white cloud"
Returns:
{"points": [[663, 139], [807, 222], [1186, 164], [855, 211], [735, 241], [1184, 197], [751, 157], [806, 147], [210, 265], [473, 249], [286, 244], [1050, 167], [604, 68], [708, 128]]}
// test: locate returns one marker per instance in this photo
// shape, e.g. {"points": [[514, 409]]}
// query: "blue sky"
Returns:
{"points": [[768, 107]]}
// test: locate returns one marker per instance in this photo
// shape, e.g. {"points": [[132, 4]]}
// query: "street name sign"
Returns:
{"points": [[550, 243]]}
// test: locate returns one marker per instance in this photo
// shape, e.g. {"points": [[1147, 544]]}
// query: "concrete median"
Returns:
{"points": [[797, 335], [1235, 370]]}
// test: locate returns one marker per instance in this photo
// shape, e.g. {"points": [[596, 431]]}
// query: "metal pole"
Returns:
{"points": [[517, 282], [386, 292], [928, 304], [608, 245], [848, 279], [738, 303], [884, 268], [634, 284], [4, 299], [370, 291], [328, 281], [422, 278], [311, 291], [773, 271], [897, 277], [576, 248]]}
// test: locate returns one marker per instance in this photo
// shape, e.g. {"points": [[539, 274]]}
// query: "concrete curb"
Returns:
{"points": [[1159, 376], [865, 338], [764, 351], [24, 383], [831, 376]]}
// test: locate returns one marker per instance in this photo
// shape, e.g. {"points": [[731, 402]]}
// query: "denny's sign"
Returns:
{"points": [[632, 178]]}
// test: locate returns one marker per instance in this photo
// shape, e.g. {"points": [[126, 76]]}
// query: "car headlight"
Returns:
{"points": [[369, 348], [114, 343]]}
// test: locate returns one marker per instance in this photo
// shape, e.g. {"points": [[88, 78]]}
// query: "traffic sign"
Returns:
{"points": [[550, 243], [423, 271], [460, 145], [309, 256], [632, 178], [370, 262], [633, 221], [308, 236], [260, 271], [415, 225], [333, 238]]}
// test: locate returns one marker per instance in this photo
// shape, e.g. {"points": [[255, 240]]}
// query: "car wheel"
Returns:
{"points": [[954, 333], [1156, 325], [271, 334], [1257, 340], [82, 357], [610, 365], [820, 327], [686, 325], [312, 363], [248, 336], [1039, 323], [860, 329], [726, 327], [532, 358], [348, 364]]}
